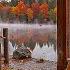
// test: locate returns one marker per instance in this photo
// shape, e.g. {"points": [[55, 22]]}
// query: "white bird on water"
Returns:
{"points": [[10, 48], [45, 53], [52, 55], [44, 50], [36, 52], [2, 49]]}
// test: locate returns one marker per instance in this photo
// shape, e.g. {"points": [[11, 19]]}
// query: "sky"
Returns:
{"points": [[6, 0]]}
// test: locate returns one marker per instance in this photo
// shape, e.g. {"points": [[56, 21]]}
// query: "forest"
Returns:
{"points": [[28, 11]]}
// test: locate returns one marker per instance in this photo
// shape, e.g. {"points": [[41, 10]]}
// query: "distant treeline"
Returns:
{"points": [[28, 11]]}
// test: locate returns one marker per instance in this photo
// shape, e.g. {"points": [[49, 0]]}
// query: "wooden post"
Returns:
{"points": [[61, 35], [5, 34], [0, 56]]}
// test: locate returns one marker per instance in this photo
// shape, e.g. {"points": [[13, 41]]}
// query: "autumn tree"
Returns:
{"points": [[44, 10], [35, 8], [21, 7], [29, 14], [1, 6]]}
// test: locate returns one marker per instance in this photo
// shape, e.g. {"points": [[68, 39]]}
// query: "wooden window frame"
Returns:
{"points": [[61, 35]]}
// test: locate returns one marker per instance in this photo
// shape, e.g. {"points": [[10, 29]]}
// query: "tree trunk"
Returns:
{"points": [[5, 34]]}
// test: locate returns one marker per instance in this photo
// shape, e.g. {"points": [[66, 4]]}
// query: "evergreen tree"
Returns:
{"points": [[52, 4], [14, 2], [28, 1], [41, 1]]}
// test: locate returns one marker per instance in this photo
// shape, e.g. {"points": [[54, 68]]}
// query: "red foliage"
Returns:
{"points": [[21, 7], [31, 11], [35, 8]]}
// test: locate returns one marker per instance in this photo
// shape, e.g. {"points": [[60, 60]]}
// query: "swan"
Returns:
{"points": [[10, 48], [52, 56], [2, 49], [36, 53], [45, 47], [44, 52]]}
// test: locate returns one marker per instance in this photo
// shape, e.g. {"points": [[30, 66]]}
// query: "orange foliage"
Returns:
{"points": [[13, 10], [35, 8], [44, 9], [29, 14], [21, 7], [1, 6]]}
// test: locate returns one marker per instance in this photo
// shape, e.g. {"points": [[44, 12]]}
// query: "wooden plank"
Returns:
{"points": [[0, 56], [61, 35], [67, 28], [68, 66], [5, 34]]}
